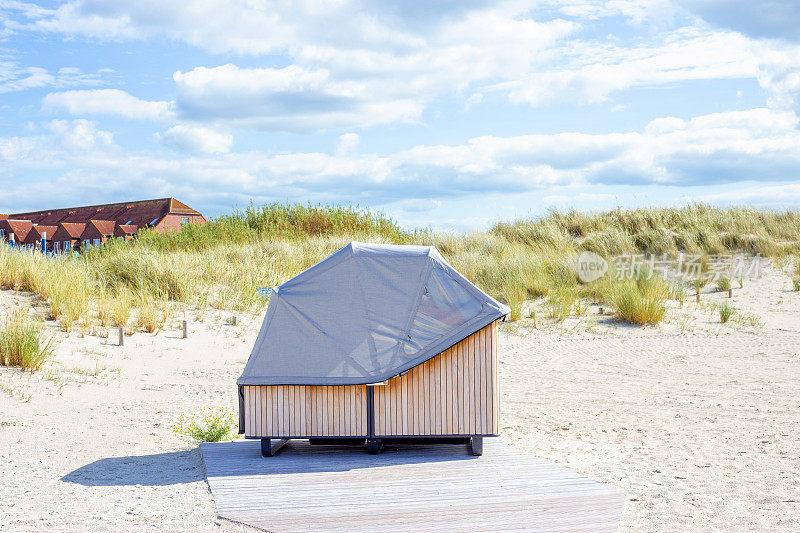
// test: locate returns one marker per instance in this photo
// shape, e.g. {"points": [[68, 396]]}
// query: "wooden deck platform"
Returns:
{"points": [[405, 488]]}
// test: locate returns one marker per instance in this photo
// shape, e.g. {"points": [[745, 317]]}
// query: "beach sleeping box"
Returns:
{"points": [[375, 344]]}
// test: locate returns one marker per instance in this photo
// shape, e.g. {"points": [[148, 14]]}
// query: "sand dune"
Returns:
{"points": [[696, 420]]}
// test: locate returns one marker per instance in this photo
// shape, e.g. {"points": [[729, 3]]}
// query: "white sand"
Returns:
{"points": [[697, 421]]}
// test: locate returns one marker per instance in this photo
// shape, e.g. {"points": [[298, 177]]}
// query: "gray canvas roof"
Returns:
{"points": [[364, 314]]}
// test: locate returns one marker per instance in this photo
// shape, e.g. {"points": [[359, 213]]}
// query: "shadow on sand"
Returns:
{"points": [[159, 469], [241, 458]]}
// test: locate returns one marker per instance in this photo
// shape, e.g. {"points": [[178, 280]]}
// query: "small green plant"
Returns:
{"points": [[560, 303], [213, 426], [678, 293], [726, 310], [150, 317], [639, 305], [532, 316], [796, 283], [121, 309], [723, 283], [515, 298], [699, 283], [23, 344], [581, 307]]}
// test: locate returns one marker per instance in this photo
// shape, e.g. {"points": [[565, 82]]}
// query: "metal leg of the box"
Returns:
{"points": [[476, 445], [270, 447]]}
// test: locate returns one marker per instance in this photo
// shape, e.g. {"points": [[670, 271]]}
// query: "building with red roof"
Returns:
{"points": [[14, 230], [95, 224]]}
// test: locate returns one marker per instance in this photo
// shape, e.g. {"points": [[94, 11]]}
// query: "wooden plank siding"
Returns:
{"points": [[305, 411], [454, 393]]}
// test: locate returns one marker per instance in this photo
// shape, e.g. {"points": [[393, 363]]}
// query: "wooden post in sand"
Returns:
{"points": [[184, 329], [698, 295], [121, 332], [730, 292]]}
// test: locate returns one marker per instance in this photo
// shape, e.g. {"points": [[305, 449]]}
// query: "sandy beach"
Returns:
{"points": [[694, 419]]}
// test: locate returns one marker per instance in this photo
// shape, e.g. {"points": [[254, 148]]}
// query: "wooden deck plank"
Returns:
{"points": [[407, 487]]}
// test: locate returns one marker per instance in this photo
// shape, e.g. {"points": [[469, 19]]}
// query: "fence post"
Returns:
{"points": [[698, 295], [121, 336], [185, 329], [730, 292]]}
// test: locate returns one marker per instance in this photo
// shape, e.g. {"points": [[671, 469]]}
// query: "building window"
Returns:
{"points": [[96, 242], [86, 244], [184, 220], [67, 246], [55, 246], [2, 234]]}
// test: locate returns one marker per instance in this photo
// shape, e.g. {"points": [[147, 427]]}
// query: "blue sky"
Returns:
{"points": [[451, 114]]}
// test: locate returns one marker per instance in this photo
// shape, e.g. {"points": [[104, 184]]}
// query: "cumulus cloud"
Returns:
{"points": [[355, 64], [80, 135], [289, 99], [348, 144], [113, 102], [761, 19], [591, 71], [15, 77], [754, 145], [196, 140]]}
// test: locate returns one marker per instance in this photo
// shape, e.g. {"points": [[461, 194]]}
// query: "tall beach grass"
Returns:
{"points": [[221, 264]]}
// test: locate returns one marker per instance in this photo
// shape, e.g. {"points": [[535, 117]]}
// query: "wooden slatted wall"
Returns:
{"points": [[455, 393], [305, 411]]}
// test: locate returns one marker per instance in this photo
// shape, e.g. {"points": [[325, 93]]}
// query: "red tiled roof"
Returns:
{"points": [[35, 234], [98, 228], [72, 230], [19, 228], [123, 229], [144, 213]]}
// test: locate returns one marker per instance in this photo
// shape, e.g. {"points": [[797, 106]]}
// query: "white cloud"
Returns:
{"points": [[14, 77], [418, 205], [591, 71], [765, 18], [348, 144], [582, 198], [787, 195], [112, 102], [196, 140], [289, 99], [755, 145]]}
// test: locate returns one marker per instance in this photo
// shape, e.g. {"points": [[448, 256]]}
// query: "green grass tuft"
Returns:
{"points": [[23, 343], [212, 426], [726, 310]]}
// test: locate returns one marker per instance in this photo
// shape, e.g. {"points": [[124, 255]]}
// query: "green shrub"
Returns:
{"points": [[726, 310], [560, 303], [23, 343], [796, 283], [723, 283], [699, 282], [212, 426], [637, 305]]}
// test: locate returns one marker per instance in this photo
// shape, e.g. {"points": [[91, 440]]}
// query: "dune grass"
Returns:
{"points": [[211, 426], [221, 264], [725, 310], [23, 343]]}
